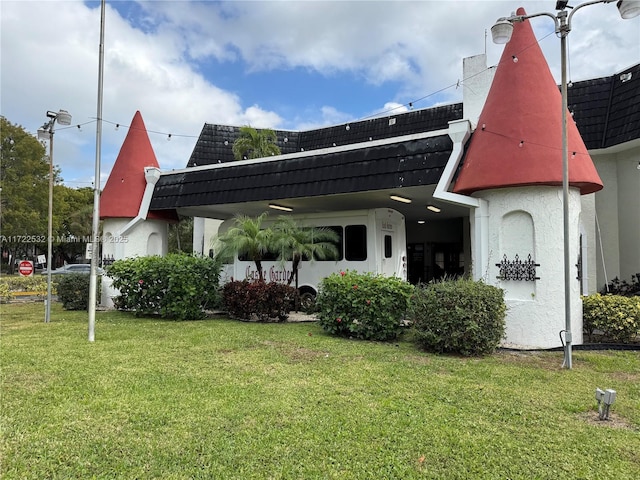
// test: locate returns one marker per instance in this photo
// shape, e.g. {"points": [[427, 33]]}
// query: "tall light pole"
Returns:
{"points": [[95, 224], [46, 133], [501, 33]]}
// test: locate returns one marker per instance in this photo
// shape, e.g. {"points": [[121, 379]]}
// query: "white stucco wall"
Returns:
{"points": [[148, 237], [618, 212], [606, 201], [211, 227], [589, 245], [629, 212], [529, 220], [475, 87], [198, 235]]}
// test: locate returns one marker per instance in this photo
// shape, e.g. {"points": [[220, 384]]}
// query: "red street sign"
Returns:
{"points": [[25, 268]]}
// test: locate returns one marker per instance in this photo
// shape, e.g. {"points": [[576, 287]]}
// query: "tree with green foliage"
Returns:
{"points": [[24, 180], [295, 242], [254, 143], [181, 236], [75, 210], [72, 219], [24, 199], [246, 238]]}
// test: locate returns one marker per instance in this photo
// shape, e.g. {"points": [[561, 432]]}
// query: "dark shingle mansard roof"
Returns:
{"points": [[404, 164], [215, 144], [216, 141], [606, 110]]}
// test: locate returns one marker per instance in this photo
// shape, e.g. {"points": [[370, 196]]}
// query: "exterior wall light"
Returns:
{"points": [[398, 198], [280, 207]]}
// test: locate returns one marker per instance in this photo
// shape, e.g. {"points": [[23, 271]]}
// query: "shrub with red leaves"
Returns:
{"points": [[256, 300]]}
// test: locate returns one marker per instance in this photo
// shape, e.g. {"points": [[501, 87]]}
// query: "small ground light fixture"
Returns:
{"points": [[605, 399]]}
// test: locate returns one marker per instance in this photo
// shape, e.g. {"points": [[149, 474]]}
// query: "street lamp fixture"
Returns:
{"points": [[629, 8], [503, 28], [46, 133], [501, 33]]}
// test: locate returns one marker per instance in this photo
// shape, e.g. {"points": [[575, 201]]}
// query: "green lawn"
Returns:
{"points": [[221, 399]]}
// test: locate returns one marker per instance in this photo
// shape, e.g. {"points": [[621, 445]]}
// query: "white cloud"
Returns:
{"points": [[328, 116], [417, 44], [259, 118], [44, 71], [392, 108]]}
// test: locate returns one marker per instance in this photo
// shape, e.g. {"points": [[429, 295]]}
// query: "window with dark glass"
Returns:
{"points": [[388, 246], [355, 243]]}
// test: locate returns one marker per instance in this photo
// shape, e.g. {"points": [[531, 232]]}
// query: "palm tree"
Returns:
{"points": [[254, 143], [246, 238], [292, 241]]}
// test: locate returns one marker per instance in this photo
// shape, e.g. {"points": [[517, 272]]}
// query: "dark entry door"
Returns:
{"points": [[416, 267]]}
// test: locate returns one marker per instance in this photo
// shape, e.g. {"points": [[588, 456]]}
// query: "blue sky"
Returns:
{"points": [[280, 64]]}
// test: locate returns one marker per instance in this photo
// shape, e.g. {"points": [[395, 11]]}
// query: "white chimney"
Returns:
{"points": [[476, 83]]}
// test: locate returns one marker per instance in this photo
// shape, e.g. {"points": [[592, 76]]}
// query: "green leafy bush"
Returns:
{"points": [[176, 286], [458, 316], [258, 300], [73, 290], [615, 317], [5, 293], [362, 305]]}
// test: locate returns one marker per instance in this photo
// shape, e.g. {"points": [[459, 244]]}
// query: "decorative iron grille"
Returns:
{"points": [[517, 269], [107, 260]]}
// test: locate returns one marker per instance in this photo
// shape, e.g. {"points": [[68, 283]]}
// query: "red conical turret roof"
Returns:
{"points": [[518, 141], [122, 194]]}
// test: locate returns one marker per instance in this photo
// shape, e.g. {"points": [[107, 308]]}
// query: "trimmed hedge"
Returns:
{"points": [[73, 290], [36, 284], [5, 294], [362, 305], [176, 286], [458, 316], [615, 317], [258, 300]]}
